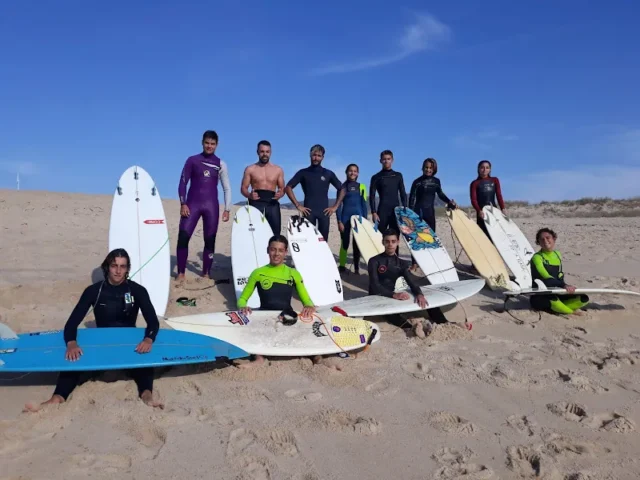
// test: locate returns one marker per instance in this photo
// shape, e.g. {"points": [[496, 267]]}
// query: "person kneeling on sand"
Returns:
{"points": [[385, 269], [116, 301], [546, 266], [275, 283]]}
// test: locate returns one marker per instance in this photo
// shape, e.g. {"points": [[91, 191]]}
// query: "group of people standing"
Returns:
{"points": [[263, 184]]}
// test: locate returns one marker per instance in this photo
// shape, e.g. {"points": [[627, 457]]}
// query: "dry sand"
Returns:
{"points": [[522, 396]]}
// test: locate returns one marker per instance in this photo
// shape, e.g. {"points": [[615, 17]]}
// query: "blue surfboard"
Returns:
{"points": [[108, 349]]}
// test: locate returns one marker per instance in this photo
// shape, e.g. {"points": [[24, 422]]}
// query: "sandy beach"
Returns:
{"points": [[521, 395]]}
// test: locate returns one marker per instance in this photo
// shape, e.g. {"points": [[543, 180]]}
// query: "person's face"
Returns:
{"points": [[316, 157], [264, 153], [484, 170], [546, 241], [428, 169], [386, 161], [352, 173], [277, 253], [118, 271], [390, 243], [209, 145]]}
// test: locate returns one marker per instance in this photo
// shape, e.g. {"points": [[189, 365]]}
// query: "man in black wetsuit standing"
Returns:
{"points": [[389, 184], [385, 269], [315, 181], [116, 301]]}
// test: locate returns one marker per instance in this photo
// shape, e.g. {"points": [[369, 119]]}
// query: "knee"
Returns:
{"points": [[210, 242], [183, 239], [584, 298]]}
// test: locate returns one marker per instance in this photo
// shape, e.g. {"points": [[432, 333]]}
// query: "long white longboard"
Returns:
{"points": [[261, 333], [138, 225], [544, 290]]}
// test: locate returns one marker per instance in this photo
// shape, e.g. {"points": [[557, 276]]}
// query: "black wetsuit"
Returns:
{"points": [[270, 207], [423, 196], [113, 306], [315, 181], [384, 271], [389, 184]]}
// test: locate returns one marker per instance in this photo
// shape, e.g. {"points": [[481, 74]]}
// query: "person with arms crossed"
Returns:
{"points": [[354, 203], [116, 301], [275, 283], [202, 171], [315, 181], [267, 186], [389, 184]]}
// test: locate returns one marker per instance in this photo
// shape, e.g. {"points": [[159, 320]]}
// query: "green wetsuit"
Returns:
{"points": [[547, 267], [275, 287]]}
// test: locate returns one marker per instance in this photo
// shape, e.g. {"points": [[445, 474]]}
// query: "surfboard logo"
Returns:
{"points": [[315, 328], [8, 350], [237, 318], [338, 286], [154, 221], [382, 268], [241, 281]]}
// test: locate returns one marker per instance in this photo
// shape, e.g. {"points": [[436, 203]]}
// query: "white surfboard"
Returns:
{"points": [[513, 246], [544, 290], [369, 240], [312, 257], [261, 333], [250, 236], [138, 225], [425, 247], [436, 295]]}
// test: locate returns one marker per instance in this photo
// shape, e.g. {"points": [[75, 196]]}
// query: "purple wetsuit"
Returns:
{"points": [[203, 172]]}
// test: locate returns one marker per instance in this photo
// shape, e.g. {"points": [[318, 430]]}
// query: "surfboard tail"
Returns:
{"points": [[6, 333]]}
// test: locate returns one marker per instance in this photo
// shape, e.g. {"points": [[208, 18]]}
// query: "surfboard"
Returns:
{"points": [[312, 257], [261, 333], [439, 295], [138, 225], [482, 253], [425, 247], [513, 246], [108, 349], [542, 289], [250, 236], [369, 240]]}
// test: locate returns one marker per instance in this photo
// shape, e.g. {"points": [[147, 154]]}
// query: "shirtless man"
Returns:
{"points": [[267, 186]]}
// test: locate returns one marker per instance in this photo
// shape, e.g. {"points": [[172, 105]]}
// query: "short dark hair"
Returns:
{"points": [[264, 142], [111, 256], [386, 152], [391, 231], [279, 238], [346, 170], [317, 147], [210, 134], [433, 162], [545, 230]]}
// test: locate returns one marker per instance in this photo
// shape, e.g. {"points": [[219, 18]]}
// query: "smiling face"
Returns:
{"points": [[390, 243], [264, 153], [277, 253], [209, 146], [352, 173], [428, 169], [546, 241], [484, 169]]}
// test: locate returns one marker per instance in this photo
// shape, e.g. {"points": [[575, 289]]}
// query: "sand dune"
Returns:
{"points": [[521, 395]]}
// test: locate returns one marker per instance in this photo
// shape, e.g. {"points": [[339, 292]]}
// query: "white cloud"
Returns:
{"points": [[26, 168], [425, 33], [615, 181], [482, 140]]}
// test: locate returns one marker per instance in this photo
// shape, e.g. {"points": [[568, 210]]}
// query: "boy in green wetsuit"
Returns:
{"points": [[275, 283], [546, 266]]}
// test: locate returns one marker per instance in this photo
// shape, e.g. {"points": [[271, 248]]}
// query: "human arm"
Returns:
{"points": [[340, 207], [149, 313], [339, 198], [291, 184], [226, 188], [280, 184], [411, 280], [301, 289], [373, 185], [474, 198], [246, 182], [443, 197], [185, 176], [499, 194], [413, 194], [403, 192], [247, 291], [549, 281], [79, 312]]}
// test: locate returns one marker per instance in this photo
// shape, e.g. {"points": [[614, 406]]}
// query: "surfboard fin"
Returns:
{"points": [[153, 191], [119, 189], [6, 333]]}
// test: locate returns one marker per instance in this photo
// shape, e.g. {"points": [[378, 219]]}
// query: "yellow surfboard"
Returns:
{"points": [[482, 253]]}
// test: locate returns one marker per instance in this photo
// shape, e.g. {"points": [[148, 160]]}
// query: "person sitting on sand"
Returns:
{"points": [[116, 301], [385, 269], [275, 283], [546, 266]]}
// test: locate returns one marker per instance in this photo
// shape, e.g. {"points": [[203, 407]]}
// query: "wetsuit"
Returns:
{"points": [[354, 203], [203, 171], [113, 306], [485, 191], [315, 181], [389, 184], [384, 271], [547, 267], [423, 196], [275, 287], [270, 207]]}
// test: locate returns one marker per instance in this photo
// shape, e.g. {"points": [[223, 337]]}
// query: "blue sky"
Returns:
{"points": [[546, 90]]}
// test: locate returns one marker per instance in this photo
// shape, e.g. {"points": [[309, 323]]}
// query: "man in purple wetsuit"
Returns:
{"points": [[203, 172]]}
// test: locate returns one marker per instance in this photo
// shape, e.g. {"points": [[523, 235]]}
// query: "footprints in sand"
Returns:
{"points": [[451, 423], [456, 466], [522, 424], [575, 412], [418, 370], [302, 395], [612, 360], [342, 421], [574, 379], [109, 463]]}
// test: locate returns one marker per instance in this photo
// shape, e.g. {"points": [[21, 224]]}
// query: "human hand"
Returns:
{"points": [[74, 352], [307, 312], [225, 216], [422, 301], [401, 296], [304, 210], [184, 210], [570, 289], [144, 346], [375, 218], [246, 310], [279, 194], [254, 195], [341, 227], [329, 211]]}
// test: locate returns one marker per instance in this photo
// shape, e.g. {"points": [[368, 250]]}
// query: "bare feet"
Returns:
{"points": [[147, 398], [180, 278], [33, 408], [330, 362], [259, 360], [413, 267]]}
